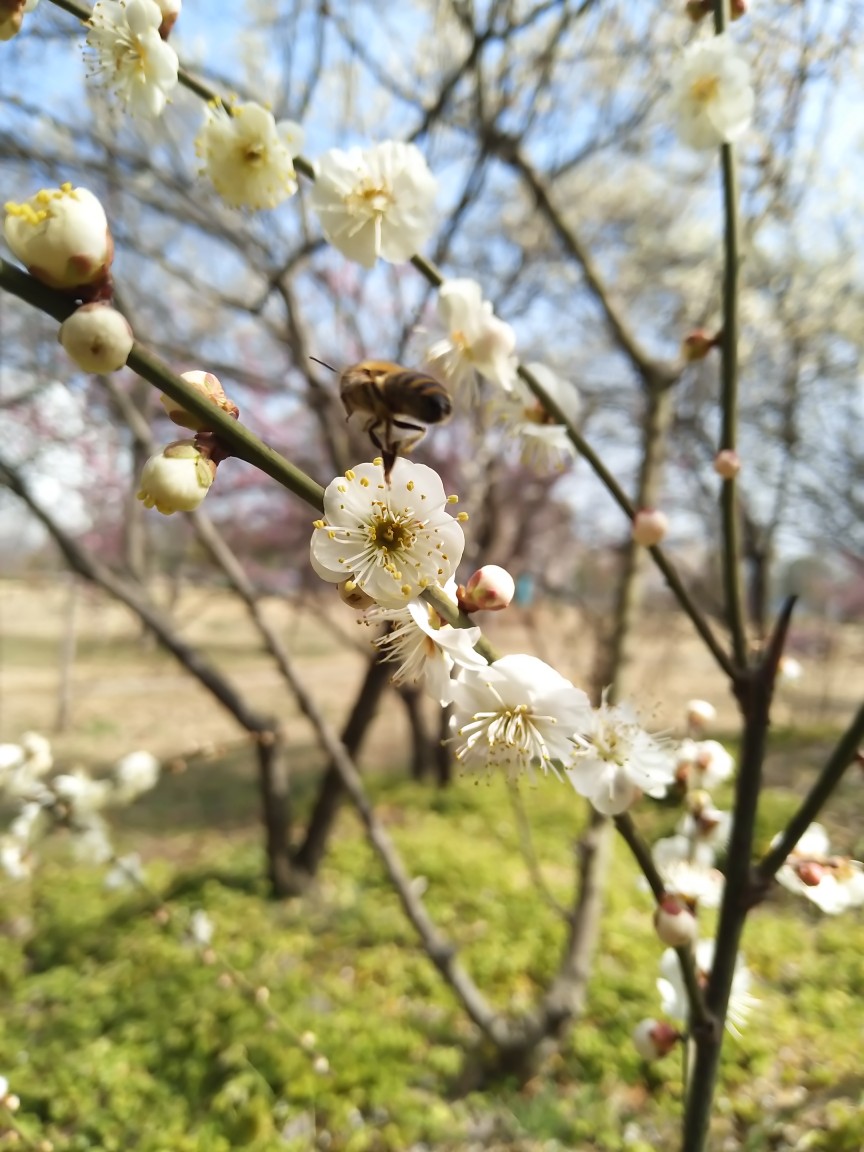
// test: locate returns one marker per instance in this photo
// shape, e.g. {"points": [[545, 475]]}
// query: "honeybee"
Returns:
{"points": [[399, 403]]}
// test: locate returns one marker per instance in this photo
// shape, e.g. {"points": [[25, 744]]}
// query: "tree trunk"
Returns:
{"points": [[309, 854]]}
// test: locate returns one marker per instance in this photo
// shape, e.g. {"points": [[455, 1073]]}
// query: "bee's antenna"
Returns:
{"points": [[322, 363]]}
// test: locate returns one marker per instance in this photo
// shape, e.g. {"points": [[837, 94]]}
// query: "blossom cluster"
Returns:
{"points": [[74, 801]]}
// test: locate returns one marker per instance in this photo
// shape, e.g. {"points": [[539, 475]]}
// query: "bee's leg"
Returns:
{"points": [[389, 457], [372, 431]]}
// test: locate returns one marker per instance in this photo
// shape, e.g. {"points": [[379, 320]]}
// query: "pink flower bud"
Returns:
{"points": [[727, 464], [737, 9], [674, 923], [209, 386], [649, 527], [489, 590], [97, 338], [654, 1038], [697, 344], [811, 873]]}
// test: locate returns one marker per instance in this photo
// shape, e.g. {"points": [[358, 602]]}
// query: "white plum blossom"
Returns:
{"points": [[477, 342], [545, 444], [125, 872], [91, 841], [673, 994], [60, 235], [426, 648], [614, 760], [703, 763], [201, 928], [704, 826], [176, 480], [15, 859], [516, 714], [377, 201], [134, 774], [248, 157], [97, 337], [131, 56], [392, 540], [23, 766], [81, 792], [833, 883], [687, 870], [711, 93]]}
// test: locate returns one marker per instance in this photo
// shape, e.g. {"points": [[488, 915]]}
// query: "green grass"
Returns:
{"points": [[117, 1035]]}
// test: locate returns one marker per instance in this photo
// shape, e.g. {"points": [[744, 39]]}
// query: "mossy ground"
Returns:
{"points": [[117, 1034]]}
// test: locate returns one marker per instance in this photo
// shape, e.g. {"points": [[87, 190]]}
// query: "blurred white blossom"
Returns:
{"points": [[477, 342], [711, 93], [425, 647], [130, 56], [377, 201], [614, 760], [673, 994], [248, 157]]}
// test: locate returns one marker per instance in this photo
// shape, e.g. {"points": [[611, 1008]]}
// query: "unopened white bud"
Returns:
{"points": [[700, 714], [308, 1041], [211, 388], [97, 338], [170, 10], [654, 1038], [789, 669], [727, 464], [176, 480], [61, 236], [649, 527], [489, 590], [321, 1065], [674, 923]]}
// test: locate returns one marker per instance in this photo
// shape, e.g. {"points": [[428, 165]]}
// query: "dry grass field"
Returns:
{"points": [[126, 693]]}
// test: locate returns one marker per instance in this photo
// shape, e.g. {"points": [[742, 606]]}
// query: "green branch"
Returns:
{"points": [[243, 443]]}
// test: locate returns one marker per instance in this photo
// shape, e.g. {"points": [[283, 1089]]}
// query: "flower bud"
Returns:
{"points": [[12, 1102], [674, 923], [700, 714], [61, 236], [352, 594], [97, 338], [654, 1038], [210, 387], [789, 669], [727, 464], [321, 1065], [649, 527], [737, 9], [811, 873], [697, 344], [170, 10], [176, 480], [489, 590]]}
